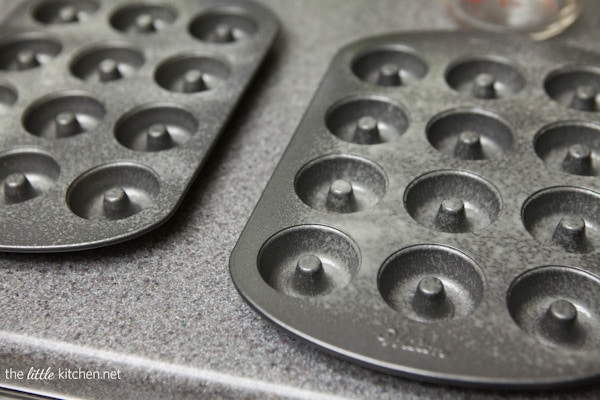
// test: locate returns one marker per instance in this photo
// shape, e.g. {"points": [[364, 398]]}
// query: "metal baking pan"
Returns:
{"points": [[437, 213], [108, 110]]}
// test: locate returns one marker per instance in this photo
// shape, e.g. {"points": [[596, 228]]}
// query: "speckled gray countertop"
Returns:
{"points": [[162, 309]]}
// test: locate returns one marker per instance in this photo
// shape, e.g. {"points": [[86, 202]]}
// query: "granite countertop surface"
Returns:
{"points": [[162, 309]]}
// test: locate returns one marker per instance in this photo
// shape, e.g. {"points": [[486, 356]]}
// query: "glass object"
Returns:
{"points": [[541, 19]]}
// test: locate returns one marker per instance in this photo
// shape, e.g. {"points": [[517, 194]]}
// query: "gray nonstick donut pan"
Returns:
{"points": [[109, 108], [437, 213]]}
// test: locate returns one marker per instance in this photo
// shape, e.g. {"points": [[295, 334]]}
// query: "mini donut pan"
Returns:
{"points": [[109, 108], [437, 213]]}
